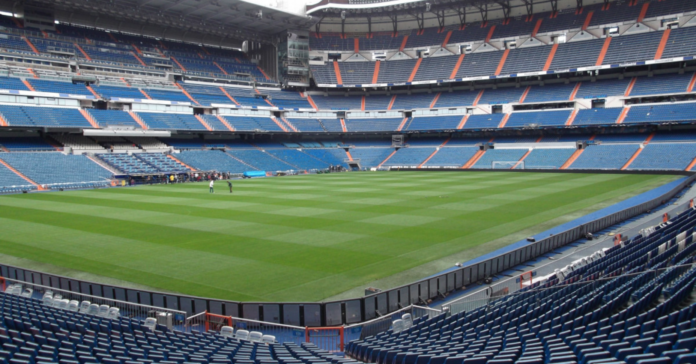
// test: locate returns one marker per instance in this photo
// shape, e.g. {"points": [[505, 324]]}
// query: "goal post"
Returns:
{"points": [[205, 321], [215, 322], [507, 165], [526, 279]]}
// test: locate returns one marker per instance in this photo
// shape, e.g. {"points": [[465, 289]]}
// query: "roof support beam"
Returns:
{"points": [[440, 18], [420, 20], [484, 13], [506, 8], [529, 5], [395, 23]]}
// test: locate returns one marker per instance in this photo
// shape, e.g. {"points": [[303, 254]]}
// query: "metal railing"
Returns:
{"points": [[126, 309]]}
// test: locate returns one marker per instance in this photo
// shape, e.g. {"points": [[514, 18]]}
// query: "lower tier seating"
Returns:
{"points": [[631, 304]]}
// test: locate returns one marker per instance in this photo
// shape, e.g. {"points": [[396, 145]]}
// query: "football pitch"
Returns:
{"points": [[300, 238]]}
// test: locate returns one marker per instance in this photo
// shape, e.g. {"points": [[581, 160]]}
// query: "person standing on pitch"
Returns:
{"points": [[229, 183], [212, 183]]}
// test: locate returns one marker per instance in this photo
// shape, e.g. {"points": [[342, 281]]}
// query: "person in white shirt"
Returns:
{"points": [[212, 183]]}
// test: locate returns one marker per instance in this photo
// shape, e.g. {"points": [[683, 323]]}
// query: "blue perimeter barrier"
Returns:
{"points": [[252, 174], [633, 201]]}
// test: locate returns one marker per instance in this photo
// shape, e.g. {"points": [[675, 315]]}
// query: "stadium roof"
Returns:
{"points": [[225, 18]]}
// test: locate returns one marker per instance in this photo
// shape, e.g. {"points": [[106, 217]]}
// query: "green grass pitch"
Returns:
{"points": [[300, 238]]}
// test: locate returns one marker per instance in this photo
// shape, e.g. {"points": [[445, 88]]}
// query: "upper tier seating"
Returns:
{"points": [[597, 116], [59, 87], [113, 117], [526, 60], [662, 84], [502, 95], [576, 54], [171, 121], [341, 102], [483, 121], [109, 92], [567, 19], [542, 118], [456, 98], [373, 124], [683, 112], [214, 122], [43, 116], [632, 48], [307, 125], [252, 123], [12, 83], [390, 71], [434, 122], [414, 101], [553, 92]]}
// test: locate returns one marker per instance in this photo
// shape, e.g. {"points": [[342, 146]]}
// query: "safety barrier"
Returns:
{"points": [[350, 311], [126, 309]]}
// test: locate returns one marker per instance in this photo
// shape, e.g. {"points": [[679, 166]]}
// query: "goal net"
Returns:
{"points": [[204, 322], [507, 165], [526, 279]]}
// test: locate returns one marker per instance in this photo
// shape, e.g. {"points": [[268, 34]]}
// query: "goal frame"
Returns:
{"points": [[216, 322], [526, 276], [207, 321], [507, 164]]}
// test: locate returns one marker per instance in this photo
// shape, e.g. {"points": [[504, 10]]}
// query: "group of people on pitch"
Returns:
{"points": [[212, 186]]}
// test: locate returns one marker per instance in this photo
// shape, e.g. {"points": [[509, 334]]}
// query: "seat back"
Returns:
{"points": [[114, 313], [103, 310], [150, 323], [242, 334], [227, 331], [408, 320], [84, 306], [27, 292], [93, 309], [255, 336], [47, 299], [62, 304], [268, 339], [398, 326], [74, 305]]}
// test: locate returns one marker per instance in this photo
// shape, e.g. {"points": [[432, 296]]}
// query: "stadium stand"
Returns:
{"points": [[606, 156], [50, 168], [637, 312]]}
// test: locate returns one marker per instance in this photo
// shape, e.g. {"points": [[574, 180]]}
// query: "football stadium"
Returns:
{"points": [[348, 181]]}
